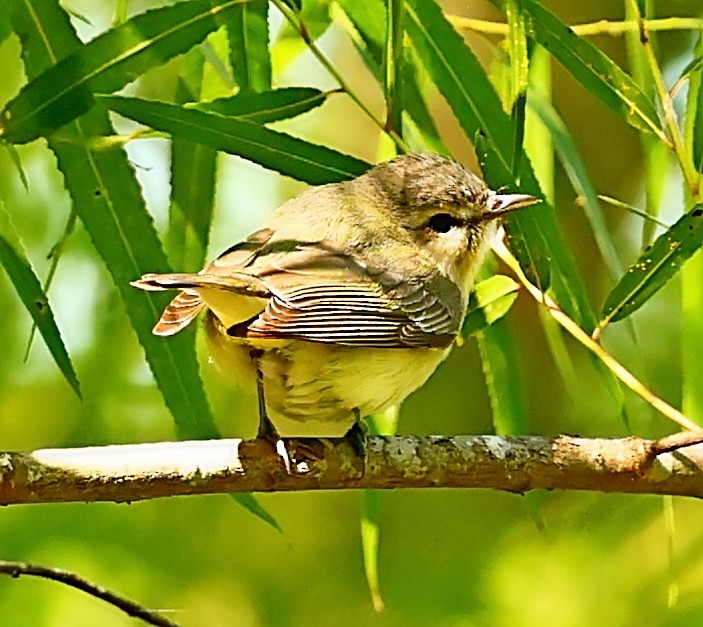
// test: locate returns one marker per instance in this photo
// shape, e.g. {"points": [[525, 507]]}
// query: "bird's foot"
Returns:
{"points": [[269, 433], [357, 437]]}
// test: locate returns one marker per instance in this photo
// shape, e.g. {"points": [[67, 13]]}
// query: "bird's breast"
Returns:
{"points": [[313, 388]]}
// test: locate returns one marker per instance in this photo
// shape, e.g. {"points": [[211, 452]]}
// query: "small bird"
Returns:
{"points": [[350, 296]]}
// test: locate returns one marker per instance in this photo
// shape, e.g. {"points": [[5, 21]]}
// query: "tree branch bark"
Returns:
{"points": [[671, 465]]}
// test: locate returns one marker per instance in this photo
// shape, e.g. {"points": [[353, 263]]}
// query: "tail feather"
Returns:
{"points": [[239, 282], [179, 313]]}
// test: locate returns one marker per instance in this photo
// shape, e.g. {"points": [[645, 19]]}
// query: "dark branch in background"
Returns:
{"points": [[671, 465], [15, 569]]}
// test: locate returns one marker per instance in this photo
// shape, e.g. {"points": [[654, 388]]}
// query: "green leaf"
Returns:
{"points": [[193, 169], [458, 75], [489, 301], [267, 106], [385, 423], [597, 72], [393, 59], [581, 182], [107, 198], [65, 89], [534, 233], [655, 267], [370, 544], [29, 289], [280, 152], [504, 379], [248, 32], [694, 108], [315, 14]]}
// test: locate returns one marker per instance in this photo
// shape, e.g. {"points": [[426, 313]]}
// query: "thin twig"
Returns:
{"points": [[300, 28], [601, 27], [677, 143], [591, 344], [15, 569]]}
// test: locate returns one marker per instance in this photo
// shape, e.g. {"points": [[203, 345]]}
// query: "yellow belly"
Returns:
{"points": [[320, 384]]}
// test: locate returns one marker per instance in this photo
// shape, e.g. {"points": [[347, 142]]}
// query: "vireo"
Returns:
{"points": [[350, 296]]}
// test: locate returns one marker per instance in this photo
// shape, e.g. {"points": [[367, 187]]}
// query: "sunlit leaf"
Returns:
{"points": [[29, 289], [655, 267], [64, 90], [490, 300], [288, 155]]}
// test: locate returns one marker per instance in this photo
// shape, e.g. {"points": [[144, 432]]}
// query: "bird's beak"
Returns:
{"points": [[500, 204]]}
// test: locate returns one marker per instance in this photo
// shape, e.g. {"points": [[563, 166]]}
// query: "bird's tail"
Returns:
{"points": [[180, 312]]}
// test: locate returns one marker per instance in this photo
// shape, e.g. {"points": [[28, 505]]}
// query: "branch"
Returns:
{"points": [[15, 569], [671, 465]]}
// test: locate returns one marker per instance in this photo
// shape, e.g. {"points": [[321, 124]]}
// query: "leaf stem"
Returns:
{"points": [[591, 344]]}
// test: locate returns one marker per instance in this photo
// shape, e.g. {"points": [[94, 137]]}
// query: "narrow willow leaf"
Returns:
{"points": [[503, 379], [694, 107], [248, 33], [107, 198], [370, 544], [65, 89], [33, 297], [597, 72], [490, 300], [393, 59], [192, 184], [267, 106], [385, 423], [655, 152], [288, 155], [517, 51], [458, 75], [534, 233], [655, 267], [581, 182], [366, 30]]}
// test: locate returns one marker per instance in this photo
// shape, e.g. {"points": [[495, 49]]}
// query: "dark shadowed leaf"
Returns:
{"points": [[248, 33], [64, 90], [29, 289], [534, 233], [107, 198], [659, 263], [267, 106], [288, 155]]}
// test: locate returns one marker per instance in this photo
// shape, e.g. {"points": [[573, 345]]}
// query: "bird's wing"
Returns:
{"points": [[323, 295], [316, 293]]}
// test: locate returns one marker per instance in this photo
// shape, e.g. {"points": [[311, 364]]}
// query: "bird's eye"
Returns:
{"points": [[443, 222]]}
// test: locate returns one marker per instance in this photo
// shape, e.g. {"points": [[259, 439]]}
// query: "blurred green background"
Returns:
{"points": [[451, 558]]}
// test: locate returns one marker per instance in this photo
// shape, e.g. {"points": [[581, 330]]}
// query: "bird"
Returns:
{"points": [[349, 296]]}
